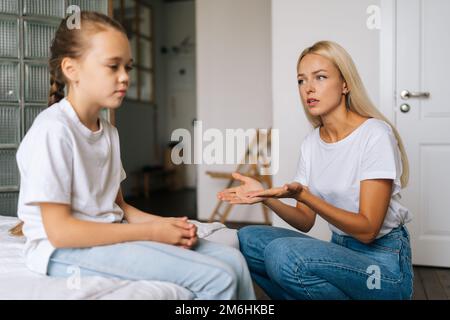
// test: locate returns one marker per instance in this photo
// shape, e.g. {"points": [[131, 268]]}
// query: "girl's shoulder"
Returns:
{"points": [[50, 118]]}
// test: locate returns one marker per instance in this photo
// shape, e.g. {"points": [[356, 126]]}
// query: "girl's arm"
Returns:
{"points": [[132, 214], [65, 231]]}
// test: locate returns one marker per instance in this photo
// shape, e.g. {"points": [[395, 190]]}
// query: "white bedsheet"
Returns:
{"points": [[17, 282]]}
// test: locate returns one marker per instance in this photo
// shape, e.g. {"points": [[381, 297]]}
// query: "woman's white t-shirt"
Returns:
{"points": [[61, 161], [333, 171]]}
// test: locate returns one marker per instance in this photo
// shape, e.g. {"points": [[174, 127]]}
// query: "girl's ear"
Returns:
{"points": [[69, 68]]}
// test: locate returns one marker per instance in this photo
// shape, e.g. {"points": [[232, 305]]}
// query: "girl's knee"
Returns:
{"points": [[236, 258]]}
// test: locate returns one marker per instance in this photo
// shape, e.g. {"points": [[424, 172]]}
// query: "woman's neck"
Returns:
{"points": [[339, 124], [86, 112]]}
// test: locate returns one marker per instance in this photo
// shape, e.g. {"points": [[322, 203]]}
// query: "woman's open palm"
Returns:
{"points": [[239, 194]]}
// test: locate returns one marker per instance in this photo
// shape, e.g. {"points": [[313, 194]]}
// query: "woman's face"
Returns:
{"points": [[104, 70], [321, 85]]}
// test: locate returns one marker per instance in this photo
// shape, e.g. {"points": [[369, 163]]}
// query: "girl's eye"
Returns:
{"points": [[300, 82], [114, 66], [129, 68]]}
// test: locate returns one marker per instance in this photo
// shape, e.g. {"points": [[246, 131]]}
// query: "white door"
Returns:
{"points": [[423, 65]]}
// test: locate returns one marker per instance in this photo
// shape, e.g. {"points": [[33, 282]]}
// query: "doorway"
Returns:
{"points": [[415, 48], [153, 183]]}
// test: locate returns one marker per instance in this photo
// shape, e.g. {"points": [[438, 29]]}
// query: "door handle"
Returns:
{"points": [[405, 94]]}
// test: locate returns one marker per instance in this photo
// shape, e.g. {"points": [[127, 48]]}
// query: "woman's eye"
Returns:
{"points": [[300, 82], [129, 68], [114, 66], [321, 77]]}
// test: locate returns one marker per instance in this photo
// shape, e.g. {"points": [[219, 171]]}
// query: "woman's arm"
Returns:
{"points": [[300, 217], [365, 225], [65, 231], [375, 196]]}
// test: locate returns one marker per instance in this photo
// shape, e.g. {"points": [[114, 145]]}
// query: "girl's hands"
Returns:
{"points": [[239, 194], [289, 190], [175, 231]]}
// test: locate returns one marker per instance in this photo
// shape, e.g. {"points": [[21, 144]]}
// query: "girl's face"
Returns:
{"points": [[103, 73], [321, 85]]}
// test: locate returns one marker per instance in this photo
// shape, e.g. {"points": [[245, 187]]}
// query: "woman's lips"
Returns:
{"points": [[121, 92], [312, 102]]}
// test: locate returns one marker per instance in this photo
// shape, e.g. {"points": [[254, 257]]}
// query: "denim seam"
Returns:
{"points": [[90, 268], [358, 271], [106, 270], [299, 280]]}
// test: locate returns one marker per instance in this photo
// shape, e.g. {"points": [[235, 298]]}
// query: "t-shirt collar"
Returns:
{"points": [[67, 108]]}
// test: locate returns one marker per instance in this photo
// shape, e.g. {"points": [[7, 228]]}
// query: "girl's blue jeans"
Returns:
{"points": [[210, 271], [290, 265]]}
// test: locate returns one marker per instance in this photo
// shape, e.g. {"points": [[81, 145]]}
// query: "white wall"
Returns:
{"points": [[233, 81], [297, 24]]}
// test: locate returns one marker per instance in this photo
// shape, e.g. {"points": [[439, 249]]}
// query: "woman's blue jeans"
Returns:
{"points": [[210, 271], [290, 265]]}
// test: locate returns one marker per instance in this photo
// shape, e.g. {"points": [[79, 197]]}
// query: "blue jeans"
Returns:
{"points": [[290, 265], [210, 271]]}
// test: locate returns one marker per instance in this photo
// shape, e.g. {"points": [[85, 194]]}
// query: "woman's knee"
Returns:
{"points": [[285, 259], [247, 236], [249, 232], [257, 237]]}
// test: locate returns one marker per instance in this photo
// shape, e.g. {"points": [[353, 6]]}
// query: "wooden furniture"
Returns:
{"points": [[254, 170]]}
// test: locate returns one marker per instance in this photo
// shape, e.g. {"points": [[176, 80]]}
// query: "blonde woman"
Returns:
{"points": [[351, 171]]}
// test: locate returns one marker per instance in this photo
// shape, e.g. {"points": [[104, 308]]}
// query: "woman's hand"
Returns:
{"points": [[290, 190], [175, 231], [238, 195]]}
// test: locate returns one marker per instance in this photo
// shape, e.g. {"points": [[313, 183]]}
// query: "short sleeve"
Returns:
{"points": [[123, 174], [47, 176], [300, 175], [381, 157]]}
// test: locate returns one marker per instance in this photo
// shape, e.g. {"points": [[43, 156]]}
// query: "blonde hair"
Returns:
{"points": [[70, 43], [357, 99]]}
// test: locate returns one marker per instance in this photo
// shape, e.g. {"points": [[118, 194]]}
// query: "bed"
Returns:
{"points": [[17, 282]]}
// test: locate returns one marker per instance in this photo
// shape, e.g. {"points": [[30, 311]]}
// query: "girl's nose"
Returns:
{"points": [[124, 77]]}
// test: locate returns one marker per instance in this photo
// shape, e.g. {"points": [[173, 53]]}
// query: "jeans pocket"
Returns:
{"points": [[393, 245]]}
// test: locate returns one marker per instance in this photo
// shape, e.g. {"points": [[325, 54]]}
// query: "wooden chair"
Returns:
{"points": [[254, 170]]}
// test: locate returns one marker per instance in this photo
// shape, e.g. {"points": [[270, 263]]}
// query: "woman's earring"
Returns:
{"points": [[347, 100]]}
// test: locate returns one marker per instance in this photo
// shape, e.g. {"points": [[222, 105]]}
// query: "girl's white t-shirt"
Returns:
{"points": [[334, 171], [61, 161]]}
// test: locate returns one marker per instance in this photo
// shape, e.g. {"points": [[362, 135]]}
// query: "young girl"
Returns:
{"points": [[351, 170], [70, 199]]}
